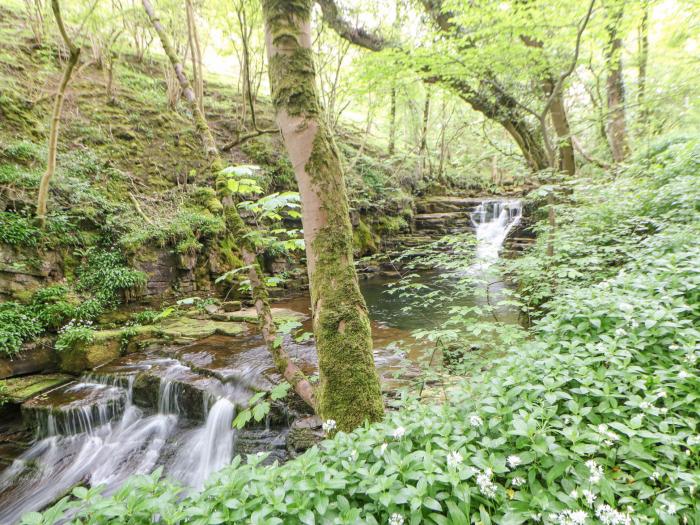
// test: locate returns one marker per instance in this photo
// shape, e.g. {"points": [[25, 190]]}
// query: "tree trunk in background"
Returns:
{"points": [[349, 390], [643, 61], [423, 145], [392, 122], [73, 56], [567, 160], [196, 55], [617, 129], [235, 225]]}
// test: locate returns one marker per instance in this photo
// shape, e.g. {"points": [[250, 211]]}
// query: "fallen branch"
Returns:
{"points": [[240, 139], [139, 210]]}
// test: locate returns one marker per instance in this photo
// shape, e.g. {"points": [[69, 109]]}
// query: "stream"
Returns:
{"points": [[173, 407]]}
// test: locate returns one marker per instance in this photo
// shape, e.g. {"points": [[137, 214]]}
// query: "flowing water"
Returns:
{"points": [[107, 425]]}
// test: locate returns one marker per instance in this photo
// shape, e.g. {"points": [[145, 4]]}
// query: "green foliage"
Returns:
{"points": [[75, 333], [277, 170], [104, 275], [16, 325], [23, 151], [18, 230], [184, 230]]}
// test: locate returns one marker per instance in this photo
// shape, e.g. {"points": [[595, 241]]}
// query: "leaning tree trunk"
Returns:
{"points": [[567, 161], [73, 56], [349, 390], [617, 129], [235, 225]]}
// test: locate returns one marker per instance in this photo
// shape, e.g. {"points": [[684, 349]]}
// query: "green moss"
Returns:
{"points": [[19, 389], [363, 240]]}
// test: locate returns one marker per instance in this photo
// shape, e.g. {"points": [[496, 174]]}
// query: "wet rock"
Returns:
{"points": [[279, 315], [258, 441], [445, 204], [73, 408], [212, 308], [37, 356], [304, 434], [19, 389]]}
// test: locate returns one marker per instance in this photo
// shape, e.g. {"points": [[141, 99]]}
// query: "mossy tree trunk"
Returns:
{"points": [[234, 224], [73, 56], [349, 390]]}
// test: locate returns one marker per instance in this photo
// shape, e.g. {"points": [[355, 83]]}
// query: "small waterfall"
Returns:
{"points": [[206, 449], [493, 221]]}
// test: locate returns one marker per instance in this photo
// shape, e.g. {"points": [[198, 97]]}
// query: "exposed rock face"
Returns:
{"points": [[304, 434], [23, 271], [37, 356]]}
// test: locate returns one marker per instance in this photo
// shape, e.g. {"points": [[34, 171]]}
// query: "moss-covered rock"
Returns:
{"points": [[19, 389], [188, 328]]}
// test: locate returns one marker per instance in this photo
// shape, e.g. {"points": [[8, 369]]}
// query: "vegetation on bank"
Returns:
{"points": [[593, 420]]}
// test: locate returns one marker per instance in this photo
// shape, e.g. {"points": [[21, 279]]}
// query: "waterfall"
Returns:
{"points": [[97, 443], [493, 221], [206, 449]]}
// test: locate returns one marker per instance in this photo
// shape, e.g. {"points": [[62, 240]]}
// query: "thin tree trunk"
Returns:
{"points": [[560, 121], [423, 145], [643, 61], [73, 56], [392, 122], [235, 225], [349, 390], [617, 129], [196, 55]]}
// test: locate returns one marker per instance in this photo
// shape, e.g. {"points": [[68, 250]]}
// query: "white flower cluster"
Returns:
{"points": [[399, 432], [353, 454], [609, 516], [329, 426], [396, 519], [382, 449], [590, 497], [513, 461], [74, 323], [486, 486], [454, 458], [596, 471], [475, 421], [517, 481], [604, 431], [570, 517]]}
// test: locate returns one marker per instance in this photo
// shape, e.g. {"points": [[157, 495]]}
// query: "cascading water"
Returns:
{"points": [[96, 444], [493, 220], [206, 449]]}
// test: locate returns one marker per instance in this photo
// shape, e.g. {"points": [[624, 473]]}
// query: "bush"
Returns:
{"points": [[75, 333], [105, 274], [18, 230]]}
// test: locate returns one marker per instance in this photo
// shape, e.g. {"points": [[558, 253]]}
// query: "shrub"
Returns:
{"points": [[75, 333], [18, 230]]}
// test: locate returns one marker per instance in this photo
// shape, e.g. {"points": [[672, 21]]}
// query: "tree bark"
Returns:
{"points": [[349, 390], [73, 56], [235, 225], [197, 71], [643, 62], [617, 129], [392, 122], [560, 121]]}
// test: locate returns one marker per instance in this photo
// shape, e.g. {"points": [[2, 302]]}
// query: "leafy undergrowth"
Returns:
{"points": [[594, 420]]}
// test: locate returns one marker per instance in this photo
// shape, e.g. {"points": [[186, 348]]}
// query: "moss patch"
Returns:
{"points": [[19, 389]]}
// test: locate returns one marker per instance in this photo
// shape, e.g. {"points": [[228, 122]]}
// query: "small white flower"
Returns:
{"points": [[399, 432], [517, 481], [382, 449], [620, 332], [590, 497], [654, 476], [663, 410], [475, 421], [486, 486], [454, 459], [596, 471], [574, 494], [645, 405], [514, 461], [691, 358], [683, 374], [693, 440], [670, 508], [537, 517], [329, 426], [609, 516], [396, 519], [661, 394], [353, 455]]}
